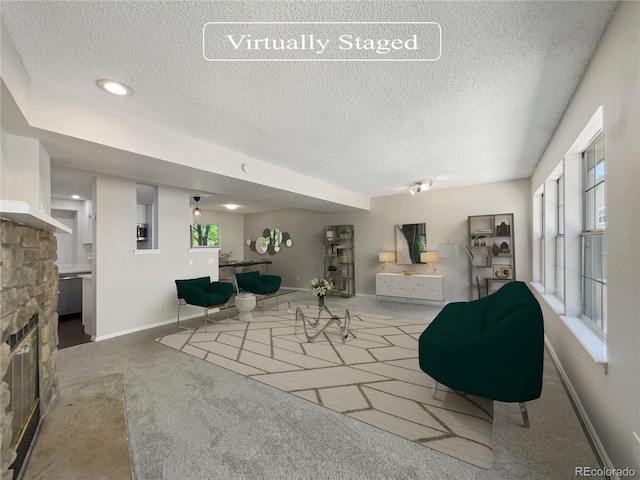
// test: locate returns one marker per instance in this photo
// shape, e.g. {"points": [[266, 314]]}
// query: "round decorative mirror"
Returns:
{"points": [[275, 236], [262, 245]]}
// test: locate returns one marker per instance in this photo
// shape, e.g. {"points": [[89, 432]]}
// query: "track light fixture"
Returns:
{"points": [[197, 212], [421, 186]]}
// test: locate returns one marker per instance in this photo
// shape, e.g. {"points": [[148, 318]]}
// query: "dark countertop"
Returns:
{"points": [[74, 269], [243, 263]]}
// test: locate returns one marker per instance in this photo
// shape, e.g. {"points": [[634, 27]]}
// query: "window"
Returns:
{"points": [[205, 235], [542, 249], [559, 264], [147, 217], [574, 223], [593, 234], [538, 239]]}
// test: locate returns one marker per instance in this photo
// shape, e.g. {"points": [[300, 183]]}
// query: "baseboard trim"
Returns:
{"points": [[99, 338], [366, 295], [144, 327], [160, 324], [591, 431]]}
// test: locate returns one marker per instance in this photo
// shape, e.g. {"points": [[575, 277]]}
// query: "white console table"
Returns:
{"points": [[410, 287]]}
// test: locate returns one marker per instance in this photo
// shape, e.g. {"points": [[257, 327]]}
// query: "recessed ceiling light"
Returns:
{"points": [[114, 87], [75, 197], [231, 206]]}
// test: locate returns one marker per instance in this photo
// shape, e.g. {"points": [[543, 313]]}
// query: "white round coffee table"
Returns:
{"points": [[245, 303]]}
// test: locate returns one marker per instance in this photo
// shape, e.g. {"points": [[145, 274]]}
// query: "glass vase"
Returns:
{"points": [[320, 301]]}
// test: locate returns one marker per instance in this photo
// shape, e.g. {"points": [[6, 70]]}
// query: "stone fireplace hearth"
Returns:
{"points": [[29, 287]]}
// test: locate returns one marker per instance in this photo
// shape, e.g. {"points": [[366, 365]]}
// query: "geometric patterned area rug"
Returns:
{"points": [[373, 376]]}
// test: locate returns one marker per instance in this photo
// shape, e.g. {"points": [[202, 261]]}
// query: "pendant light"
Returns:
{"points": [[197, 212]]}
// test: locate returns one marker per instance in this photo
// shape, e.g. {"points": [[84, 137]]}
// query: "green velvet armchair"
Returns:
{"points": [[201, 292], [492, 347], [263, 285]]}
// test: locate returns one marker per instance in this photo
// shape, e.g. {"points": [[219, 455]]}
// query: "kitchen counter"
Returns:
{"points": [[74, 268], [227, 271], [243, 263]]}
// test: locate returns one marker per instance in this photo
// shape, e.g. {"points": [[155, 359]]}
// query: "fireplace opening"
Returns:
{"points": [[23, 379]]}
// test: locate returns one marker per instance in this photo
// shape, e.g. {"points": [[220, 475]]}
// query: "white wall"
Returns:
{"points": [[44, 161], [4, 154], [444, 212], [129, 285], [67, 253], [72, 253], [23, 169], [611, 401], [301, 262]]}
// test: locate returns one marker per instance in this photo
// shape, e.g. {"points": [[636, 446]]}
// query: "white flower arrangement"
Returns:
{"points": [[320, 287]]}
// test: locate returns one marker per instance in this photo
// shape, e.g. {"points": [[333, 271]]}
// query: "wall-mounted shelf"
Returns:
{"points": [[24, 214]]}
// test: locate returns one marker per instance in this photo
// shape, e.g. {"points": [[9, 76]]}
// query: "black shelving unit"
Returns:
{"points": [[492, 243], [339, 259]]}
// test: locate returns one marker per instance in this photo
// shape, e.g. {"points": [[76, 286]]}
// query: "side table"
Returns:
{"points": [[245, 303]]}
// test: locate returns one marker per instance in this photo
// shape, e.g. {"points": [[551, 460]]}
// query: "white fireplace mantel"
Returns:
{"points": [[24, 214]]}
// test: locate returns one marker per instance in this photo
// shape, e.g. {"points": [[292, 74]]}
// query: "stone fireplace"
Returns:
{"points": [[29, 298]]}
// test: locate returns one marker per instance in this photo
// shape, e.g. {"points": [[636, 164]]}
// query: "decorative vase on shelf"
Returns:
{"points": [[504, 230], [495, 249], [320, 301]]}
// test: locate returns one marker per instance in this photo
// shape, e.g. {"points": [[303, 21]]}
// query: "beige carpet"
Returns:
{"points": [[84, 435], [373, 377]]}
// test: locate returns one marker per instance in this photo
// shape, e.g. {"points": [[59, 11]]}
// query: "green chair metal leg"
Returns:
{"points": [[525, 414], [180, 326]]}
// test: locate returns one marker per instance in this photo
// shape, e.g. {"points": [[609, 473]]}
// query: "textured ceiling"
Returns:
{"points": [[483, 112]]}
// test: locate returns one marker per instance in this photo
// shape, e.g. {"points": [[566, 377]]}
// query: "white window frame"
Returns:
{"points": [[559, 253], [542, 240], [597, 230], [538, 239], [568, 310]]}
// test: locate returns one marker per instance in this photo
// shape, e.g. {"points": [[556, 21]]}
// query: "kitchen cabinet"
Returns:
{"points": [[141, 211], [70, 295], [86, 225]]}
